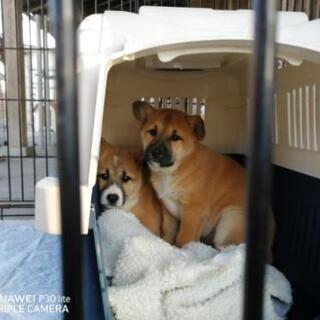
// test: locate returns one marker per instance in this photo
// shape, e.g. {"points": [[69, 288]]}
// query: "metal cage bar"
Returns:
{"points": [[259, 166], [34, 164], [64, 16], [45, 86], [18, 53], [7, 120]]}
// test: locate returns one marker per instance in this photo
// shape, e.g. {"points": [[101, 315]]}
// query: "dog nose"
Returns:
{"points": [[112, 198], [156, 152]]}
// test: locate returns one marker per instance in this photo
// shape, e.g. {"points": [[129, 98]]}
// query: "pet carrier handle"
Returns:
{"points": [[259, 162]]}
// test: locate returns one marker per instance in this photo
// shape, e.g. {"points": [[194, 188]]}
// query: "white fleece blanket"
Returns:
{"points": [[154, 280]]}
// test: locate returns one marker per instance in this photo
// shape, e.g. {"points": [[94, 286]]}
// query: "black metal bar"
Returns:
{"points": [[18, 55], [16, 216], [64, 17], [45, 79], [16, 204], [31, 99], [259, 165], [27, 49], [34, 162], [6, 113], [27, 100], [28, 157]]}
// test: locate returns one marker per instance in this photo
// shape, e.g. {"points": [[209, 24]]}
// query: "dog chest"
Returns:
{"points": [[167, 193], [172, 205]]}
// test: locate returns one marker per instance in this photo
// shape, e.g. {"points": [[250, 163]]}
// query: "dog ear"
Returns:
{"points": [[142, 110], [104, 147], [197, 126]]}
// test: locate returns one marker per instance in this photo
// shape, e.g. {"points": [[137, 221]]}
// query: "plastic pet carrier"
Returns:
{"points": [[197, 61]]}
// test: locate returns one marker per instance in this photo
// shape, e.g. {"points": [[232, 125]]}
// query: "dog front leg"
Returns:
{"points": [[191, 223], [169, 227]]}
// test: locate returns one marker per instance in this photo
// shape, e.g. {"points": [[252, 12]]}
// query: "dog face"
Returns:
{"points": [[167, 136], [119, 177]]}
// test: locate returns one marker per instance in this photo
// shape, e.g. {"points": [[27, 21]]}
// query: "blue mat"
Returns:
{"points": [[30, 274]]}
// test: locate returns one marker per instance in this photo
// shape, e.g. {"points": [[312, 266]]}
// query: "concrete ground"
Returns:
{"points": [[21, 185]]}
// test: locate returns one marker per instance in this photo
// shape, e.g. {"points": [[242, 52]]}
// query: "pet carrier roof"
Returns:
{"points": [[171, 32], [167, 33]]}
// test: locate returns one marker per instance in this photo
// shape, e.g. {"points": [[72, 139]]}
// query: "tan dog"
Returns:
{"points": [[205, 190], [124, 184]]}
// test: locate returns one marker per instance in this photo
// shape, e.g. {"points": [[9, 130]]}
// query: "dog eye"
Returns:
{"points": [[105, 175], [153, 132], [175, 137], [125, 178]]}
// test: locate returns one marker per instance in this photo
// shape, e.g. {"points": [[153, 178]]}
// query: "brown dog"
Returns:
{"points": [[205, 190], [123, 183]]}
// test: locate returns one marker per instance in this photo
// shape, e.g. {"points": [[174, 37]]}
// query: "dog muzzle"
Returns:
{"points": [[112, 197], [158, 154]]}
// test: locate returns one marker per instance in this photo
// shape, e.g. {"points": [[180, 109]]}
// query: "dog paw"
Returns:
{"points": [[180, 243], [169, 237]]}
